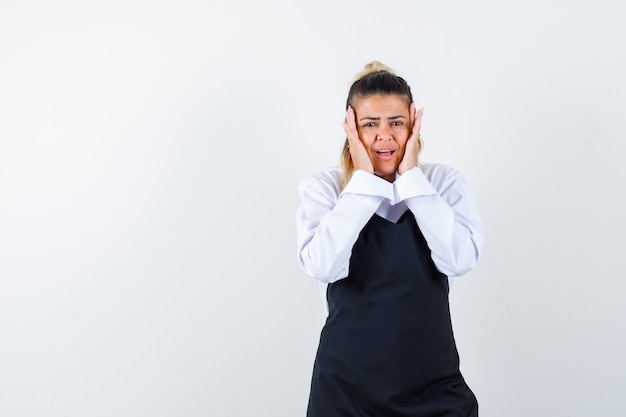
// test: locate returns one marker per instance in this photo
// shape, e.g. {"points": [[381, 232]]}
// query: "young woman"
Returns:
{"points": [[383, 235]]}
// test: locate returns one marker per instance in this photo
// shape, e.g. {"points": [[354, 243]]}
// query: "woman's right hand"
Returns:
{"points": [[360, 157]]}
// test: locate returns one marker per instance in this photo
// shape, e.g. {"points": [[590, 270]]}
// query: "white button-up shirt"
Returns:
{"points": [[329, 221]]}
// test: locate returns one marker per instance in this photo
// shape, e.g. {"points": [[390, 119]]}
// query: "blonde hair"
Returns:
{"points": [[376, 78], [371, 68]]}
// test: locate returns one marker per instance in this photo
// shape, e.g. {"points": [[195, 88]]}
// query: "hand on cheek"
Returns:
{"points": [[413, 144], [360, 156]]}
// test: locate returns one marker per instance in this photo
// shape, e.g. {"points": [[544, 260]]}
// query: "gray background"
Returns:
{"points": [[149, 159]]}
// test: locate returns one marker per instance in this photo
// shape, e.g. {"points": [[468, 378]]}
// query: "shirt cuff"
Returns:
{"points": [[412, 183], [364, 183]]}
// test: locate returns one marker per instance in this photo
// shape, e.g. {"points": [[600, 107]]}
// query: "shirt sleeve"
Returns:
{"points": [[329, 222], [447, 216]]}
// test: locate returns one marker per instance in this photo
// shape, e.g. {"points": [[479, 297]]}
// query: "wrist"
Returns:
{"points": [[364, 167], [405, 168]]}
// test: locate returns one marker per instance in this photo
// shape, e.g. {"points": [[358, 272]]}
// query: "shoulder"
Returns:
{"points": [[322, 182], [441, 176], [437, 171], [328, 179]]}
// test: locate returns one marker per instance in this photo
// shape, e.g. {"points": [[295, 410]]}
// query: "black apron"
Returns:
{"points": [[387, 348]]}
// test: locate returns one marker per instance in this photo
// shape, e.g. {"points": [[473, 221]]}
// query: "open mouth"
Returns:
{"points": [[385, 154]]}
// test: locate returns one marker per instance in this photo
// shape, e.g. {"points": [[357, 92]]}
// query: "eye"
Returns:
{"points": [[370, 124], [397, 123]]}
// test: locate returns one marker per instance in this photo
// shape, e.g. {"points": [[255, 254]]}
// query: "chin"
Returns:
{"points": [[387, 175], [384, 172]]}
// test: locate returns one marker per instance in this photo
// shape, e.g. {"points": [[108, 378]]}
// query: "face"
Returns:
{"points": [[383, 123]]}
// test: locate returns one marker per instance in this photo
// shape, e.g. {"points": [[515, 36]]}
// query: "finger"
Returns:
{"points": [[417, 125], [351, 119], [350, 126], [346, 126]]}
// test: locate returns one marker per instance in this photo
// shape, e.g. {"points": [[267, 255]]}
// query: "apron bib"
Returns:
{"points": [[387, 347]]}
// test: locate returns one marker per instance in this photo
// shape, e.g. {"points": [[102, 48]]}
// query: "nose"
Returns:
{"points": [[384, 133]]}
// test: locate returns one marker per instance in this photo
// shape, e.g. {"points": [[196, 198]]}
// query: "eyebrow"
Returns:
{"points": [[378, 118]]}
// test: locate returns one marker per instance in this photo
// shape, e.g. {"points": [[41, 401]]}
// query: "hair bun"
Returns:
{"points": [[372, 68]]}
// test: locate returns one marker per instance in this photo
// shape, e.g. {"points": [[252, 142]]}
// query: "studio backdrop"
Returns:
{"points": [[150, 154]]}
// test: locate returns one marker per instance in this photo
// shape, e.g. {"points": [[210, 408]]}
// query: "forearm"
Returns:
{"points": [[324, 252], [448, 220], [455, 246], [328, 226]]}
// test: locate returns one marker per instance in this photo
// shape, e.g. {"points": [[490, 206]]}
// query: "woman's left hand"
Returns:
{"points": [[414, 143]]}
